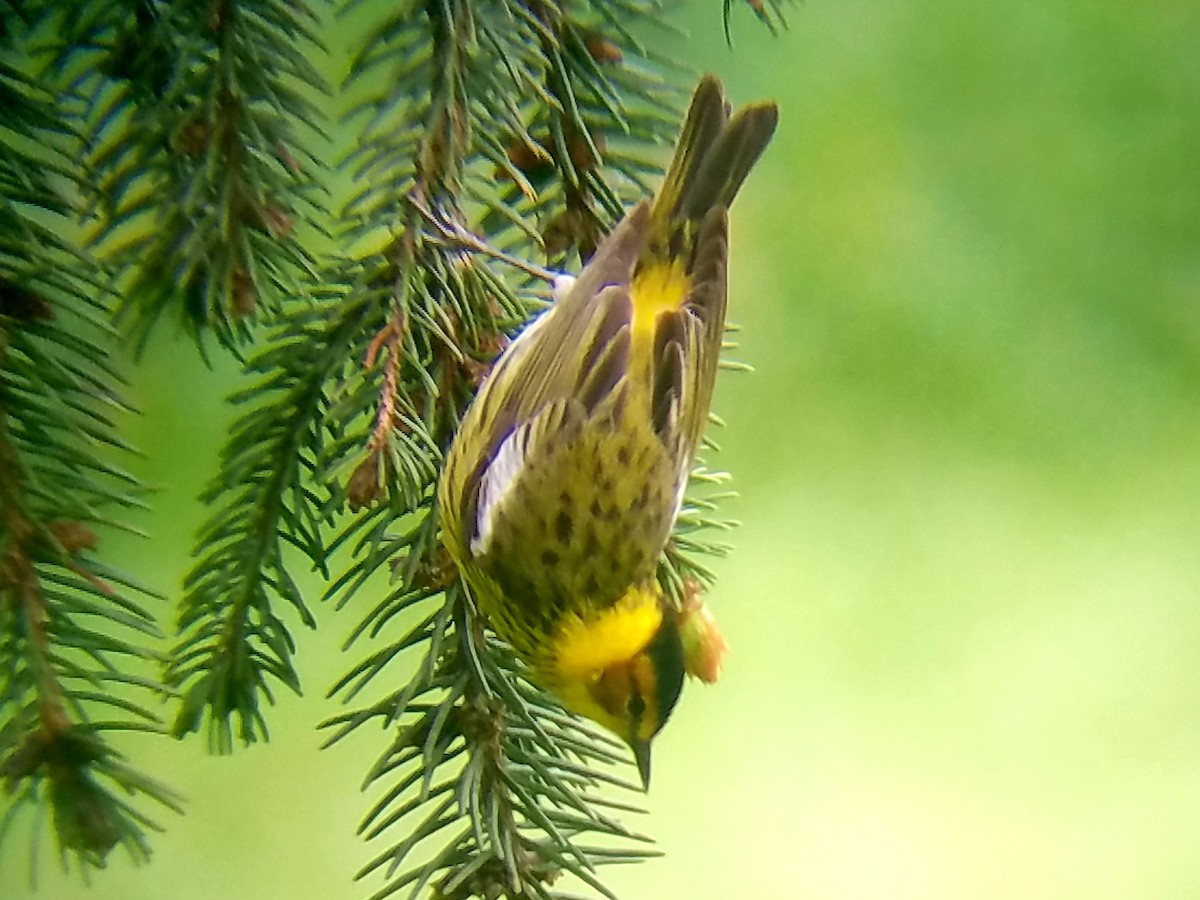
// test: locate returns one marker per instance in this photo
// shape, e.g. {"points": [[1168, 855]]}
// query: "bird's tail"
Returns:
{"points": [[715, 153]]}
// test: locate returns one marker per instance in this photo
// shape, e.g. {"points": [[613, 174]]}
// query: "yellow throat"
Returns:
{"points": [[586, 646]]}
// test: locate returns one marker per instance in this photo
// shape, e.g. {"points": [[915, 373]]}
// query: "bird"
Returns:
{"points": [[562, 484]]}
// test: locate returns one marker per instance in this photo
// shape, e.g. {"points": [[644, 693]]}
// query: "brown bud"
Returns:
{"points": [[601, 48], [218, 16], [476, 371], [74, 536], [278, 223], [363, 488], [491, 345], [433, 573], [20, 303], [521, 155], [265, 217], [242, 297], [488, 346], [285, 156], [482, 722], [559, 234], [191, 138], [494, 343], [439, 570], [528, 158], [581, 151]]}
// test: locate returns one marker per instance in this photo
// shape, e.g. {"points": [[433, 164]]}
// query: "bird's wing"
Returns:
{"points": [[687, 345], [649, 306], [546, 363], [574, 353]]}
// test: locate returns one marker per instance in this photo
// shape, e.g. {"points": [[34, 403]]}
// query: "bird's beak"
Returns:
{"points": [[641, 753]]}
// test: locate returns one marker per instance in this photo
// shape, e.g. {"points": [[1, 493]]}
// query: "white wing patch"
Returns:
{"points": [[679, 492], [562, 285], [496, 483]]}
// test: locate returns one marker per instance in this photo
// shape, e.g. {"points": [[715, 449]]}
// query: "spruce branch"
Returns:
{"points": [[488, 132], [232, 642], [482, 763], [200, 118], [514, 786], [72, 641], [485, 132]]}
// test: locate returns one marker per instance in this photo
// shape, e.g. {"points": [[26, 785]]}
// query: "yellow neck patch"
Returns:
{"points": [[586, 647], [657, 288]]}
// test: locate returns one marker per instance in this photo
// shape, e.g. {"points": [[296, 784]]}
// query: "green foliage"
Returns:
{"points": [[516, 790], [482, 133], [73, 642], [200, 119]]}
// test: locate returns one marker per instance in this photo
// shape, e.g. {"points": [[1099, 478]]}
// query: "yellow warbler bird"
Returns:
{"points": [[563, 483]]}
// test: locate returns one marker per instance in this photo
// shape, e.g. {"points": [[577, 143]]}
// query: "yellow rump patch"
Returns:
{"points": [[584, 649], [657, 288]]}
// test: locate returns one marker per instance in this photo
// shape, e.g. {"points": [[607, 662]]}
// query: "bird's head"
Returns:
{"points": [[623, 667]]}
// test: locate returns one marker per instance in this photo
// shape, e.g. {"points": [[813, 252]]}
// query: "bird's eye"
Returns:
{"points": [[637, 707]]}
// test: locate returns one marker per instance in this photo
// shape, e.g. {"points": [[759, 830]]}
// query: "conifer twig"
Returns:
{"points": [[459, 236], [65, 618], [485, 132]]}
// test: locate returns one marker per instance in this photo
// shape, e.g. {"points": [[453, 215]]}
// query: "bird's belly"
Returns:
{"points": [[587, 522]]}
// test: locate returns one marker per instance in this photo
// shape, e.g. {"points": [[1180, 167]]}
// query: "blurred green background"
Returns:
{"points": [[965, 602]]}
